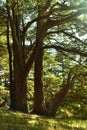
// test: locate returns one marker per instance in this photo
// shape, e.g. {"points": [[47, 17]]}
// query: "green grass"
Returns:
{"points": [[18, 121], [72, 117]]}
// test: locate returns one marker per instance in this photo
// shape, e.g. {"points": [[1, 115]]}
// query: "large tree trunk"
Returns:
{"points": [[38, 68], [18, 94], [18, 89], [38, 85]]}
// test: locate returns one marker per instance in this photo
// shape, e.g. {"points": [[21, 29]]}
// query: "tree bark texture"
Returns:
{"points": [[38, 85]]}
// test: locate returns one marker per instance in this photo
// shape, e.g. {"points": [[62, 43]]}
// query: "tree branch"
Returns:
{"points": [[31, 22], [72, 50], [71, 58], [72, 36], [65, 7], [51, 23]]}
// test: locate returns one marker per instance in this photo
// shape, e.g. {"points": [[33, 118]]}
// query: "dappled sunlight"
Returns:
{"points": [[73, 124], [18, 121], [67, 118]]}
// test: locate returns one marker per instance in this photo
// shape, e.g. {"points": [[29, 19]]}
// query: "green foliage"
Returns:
{"points": [[51, 85], [4, 96], [3, 47]]}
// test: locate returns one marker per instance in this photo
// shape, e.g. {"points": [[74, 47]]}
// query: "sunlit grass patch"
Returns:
{"points": [[19, 121], [73, 124]]}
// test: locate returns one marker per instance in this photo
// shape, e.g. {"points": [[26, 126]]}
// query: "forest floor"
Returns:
{"points": [[64, 120]]}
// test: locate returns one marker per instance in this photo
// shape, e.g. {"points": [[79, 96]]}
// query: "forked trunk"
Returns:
{"points": [[53, 105]]}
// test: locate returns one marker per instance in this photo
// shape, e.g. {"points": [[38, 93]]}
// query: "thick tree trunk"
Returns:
{"points": [[38, 85], [38, 68], [18, 95], [19, 86]]}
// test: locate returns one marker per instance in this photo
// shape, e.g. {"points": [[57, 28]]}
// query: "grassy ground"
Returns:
{"points": [[66, 119], [18, 121]]}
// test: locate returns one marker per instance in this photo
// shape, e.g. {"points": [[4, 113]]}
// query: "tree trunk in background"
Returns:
{"points": [[38, 85]]}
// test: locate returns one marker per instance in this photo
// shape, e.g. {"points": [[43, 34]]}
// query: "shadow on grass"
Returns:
{"points": [[18, 121]]}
